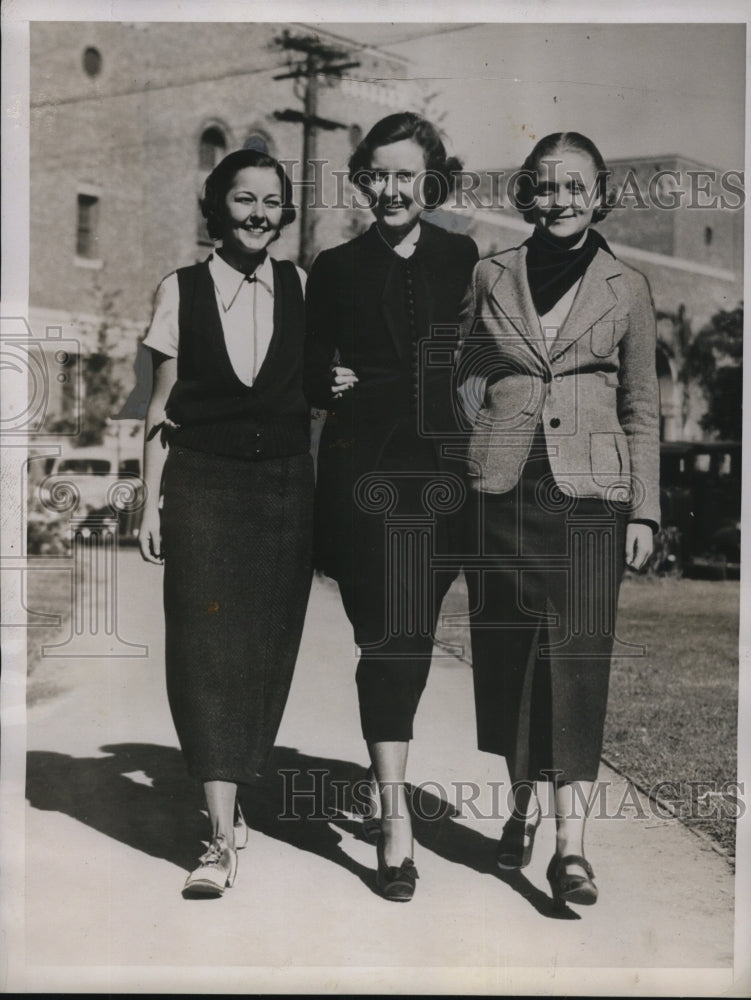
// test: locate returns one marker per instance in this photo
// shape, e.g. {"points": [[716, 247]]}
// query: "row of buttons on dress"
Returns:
{"points": [[414, 395]]}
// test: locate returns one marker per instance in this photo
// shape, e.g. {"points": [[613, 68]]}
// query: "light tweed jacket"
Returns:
{"points": [[594, 388]]}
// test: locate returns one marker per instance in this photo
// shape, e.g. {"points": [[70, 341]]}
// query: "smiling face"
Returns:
{"points": [[396, 177], [252, 215], [566, 195]]}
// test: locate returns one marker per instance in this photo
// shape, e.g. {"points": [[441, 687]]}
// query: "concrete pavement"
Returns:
{"points": [[112, 824]]}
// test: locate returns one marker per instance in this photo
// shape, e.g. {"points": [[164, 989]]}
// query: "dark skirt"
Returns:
{"points": [[237, 539], [543, 625], [388, 510]]}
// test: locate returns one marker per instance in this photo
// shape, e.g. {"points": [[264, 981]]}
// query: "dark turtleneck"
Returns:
{"points": [[553, 267]]}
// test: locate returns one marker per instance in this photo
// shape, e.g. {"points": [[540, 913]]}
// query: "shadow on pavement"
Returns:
{"points": [[141, 795]]}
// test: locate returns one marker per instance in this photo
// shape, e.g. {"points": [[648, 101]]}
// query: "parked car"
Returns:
{"points": [[700, 494], [95, 486]]}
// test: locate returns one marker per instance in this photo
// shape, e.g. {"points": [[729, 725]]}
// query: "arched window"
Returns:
{"points": [[258, 140], [212, 148], [92, 61]]}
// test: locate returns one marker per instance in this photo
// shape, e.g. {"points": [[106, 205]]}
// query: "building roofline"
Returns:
{"points": [[665, 156], [625, 250], [610, 160]]}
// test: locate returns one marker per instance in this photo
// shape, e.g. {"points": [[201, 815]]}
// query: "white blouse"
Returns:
{"points": [[553, 320], [246, 311]]}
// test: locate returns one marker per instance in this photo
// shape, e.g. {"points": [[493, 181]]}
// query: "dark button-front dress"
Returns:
{"points": [[390, 476]]}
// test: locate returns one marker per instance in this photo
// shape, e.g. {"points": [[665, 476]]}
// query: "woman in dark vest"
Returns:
{"points": [[235, 530], [382, 322]]}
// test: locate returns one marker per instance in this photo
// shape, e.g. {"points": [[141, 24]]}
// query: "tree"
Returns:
{"points": [[675, 346], [715, 360], [101, 389]]}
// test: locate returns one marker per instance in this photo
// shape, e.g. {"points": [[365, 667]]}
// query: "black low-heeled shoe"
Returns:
{"points": [[395, 883], [514, 849], [370, 826], [570, 887]]}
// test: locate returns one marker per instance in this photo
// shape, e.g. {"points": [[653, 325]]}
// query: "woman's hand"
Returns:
{"points": [[150, 537], [639, 544], [341, 380]]}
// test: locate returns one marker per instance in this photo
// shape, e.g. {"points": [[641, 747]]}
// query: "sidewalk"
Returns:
{"points": [[112, 825]]}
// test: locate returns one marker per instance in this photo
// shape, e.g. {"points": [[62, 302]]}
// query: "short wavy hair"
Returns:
{"points": [[527, 177], [222, 177], [440, 169]]}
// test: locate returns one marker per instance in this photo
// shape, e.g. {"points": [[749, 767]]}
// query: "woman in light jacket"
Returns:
{"points": [[558, 372]]}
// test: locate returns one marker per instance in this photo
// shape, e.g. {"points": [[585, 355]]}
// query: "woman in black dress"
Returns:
{"points": [[564, 456], [383, 325], [235, 531]]}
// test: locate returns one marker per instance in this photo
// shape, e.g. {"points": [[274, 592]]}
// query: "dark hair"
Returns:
{"points": [[222, 177], [440, 169], [526, 179]]}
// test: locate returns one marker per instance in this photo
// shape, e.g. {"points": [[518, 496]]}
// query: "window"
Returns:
{"points": [[707, 235], [212, 148], [92, 61], [87, 236], [85, 467], [257, 141], [130, 467]]}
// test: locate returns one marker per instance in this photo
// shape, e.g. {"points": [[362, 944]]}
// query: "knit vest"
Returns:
{"points": [[216, 412]]}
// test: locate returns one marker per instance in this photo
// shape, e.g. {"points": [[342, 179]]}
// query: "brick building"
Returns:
{"points": [[127, 119]]}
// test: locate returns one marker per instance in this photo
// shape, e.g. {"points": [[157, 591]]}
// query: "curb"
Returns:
{"points": [[669, 808]]}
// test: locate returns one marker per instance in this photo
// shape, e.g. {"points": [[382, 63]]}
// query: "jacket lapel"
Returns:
{"points": [[512, 296], [594, 299]]}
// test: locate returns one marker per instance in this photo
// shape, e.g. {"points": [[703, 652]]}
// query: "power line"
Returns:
{"points": [[313, 59]]}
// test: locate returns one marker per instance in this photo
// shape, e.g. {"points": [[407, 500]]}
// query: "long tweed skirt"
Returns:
{"points": [[543, 598], [237, 539]]}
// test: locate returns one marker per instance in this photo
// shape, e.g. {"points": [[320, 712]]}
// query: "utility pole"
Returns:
{"points": [[315, 60]]}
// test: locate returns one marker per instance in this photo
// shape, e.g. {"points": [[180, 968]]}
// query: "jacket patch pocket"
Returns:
{"points": [[606, 334], [605, 458]]}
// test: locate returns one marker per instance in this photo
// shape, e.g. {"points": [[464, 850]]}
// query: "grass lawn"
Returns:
{"points": [[672, 715]]}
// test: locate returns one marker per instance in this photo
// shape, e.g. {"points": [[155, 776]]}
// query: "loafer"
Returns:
{"points": [[571, 887], [216, 871], [370, 825], [395, 882], [370, 829], [514, 849]]}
